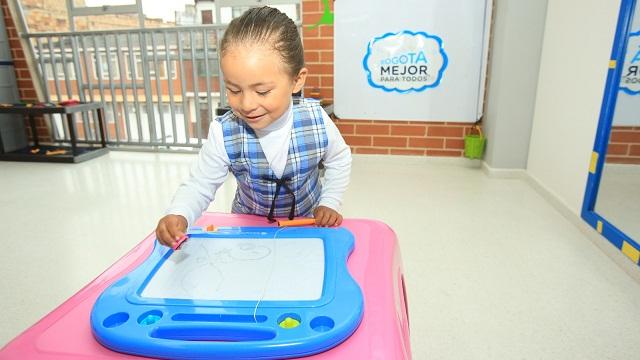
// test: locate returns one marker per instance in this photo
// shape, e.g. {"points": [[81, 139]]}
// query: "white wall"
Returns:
{"points": [[575, 56], [513, 76]]}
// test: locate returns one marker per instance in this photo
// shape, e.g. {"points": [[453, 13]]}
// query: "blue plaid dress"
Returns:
{"points": [[257, 184]]}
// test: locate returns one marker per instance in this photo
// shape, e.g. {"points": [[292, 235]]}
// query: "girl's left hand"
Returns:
{"points": [[326, 216]]}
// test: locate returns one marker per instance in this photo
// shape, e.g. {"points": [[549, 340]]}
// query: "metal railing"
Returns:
{"points": [[159, 87]]}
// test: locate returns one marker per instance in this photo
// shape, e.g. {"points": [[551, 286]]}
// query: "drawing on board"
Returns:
{"points": [[241, 269]]}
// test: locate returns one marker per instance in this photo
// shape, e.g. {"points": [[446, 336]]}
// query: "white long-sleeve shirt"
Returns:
{"points": [[211, 168]]}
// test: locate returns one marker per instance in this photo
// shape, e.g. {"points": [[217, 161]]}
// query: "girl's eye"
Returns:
{"points": [[233, 91], [263, 93]]}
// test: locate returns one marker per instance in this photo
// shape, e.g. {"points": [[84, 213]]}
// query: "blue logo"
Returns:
{"points": [[405, 61]]}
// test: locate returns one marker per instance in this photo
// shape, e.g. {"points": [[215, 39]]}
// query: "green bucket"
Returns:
{"points": [[474, 144]]}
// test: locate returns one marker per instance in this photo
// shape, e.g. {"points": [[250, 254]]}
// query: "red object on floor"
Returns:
{"points": [[69, 102]]}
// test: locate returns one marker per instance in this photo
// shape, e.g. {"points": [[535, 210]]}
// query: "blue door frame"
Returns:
{"points": [[618, 238]]}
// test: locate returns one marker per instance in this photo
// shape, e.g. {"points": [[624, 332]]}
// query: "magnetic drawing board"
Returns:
{"points": [[241, 269], [246, 292]]}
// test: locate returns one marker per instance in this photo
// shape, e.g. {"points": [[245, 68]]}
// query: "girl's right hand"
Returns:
{"points": [[326, 216], [171, 228]]}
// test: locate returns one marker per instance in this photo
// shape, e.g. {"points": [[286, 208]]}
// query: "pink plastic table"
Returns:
{"points": [[375, 264]]}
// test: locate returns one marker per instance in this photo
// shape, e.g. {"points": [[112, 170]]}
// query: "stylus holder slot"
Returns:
{"points": [[220, 318], [207, 332]]}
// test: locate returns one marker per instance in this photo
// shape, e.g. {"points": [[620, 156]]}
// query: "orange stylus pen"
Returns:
{"points": [[297, 222]]}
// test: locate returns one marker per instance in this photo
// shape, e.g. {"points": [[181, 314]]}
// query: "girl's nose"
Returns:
{"points": [[247, 104]]}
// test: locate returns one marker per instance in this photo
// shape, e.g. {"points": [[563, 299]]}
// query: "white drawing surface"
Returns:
{"points": [[280, 269]]}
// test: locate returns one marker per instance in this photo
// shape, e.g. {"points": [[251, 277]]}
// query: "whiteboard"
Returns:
{"points": [[282, 269], [462, 27]]}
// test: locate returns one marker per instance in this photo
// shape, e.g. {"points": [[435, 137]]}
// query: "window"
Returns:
{"points": [[202, 70], [151, 66], [239, 10], [104, 66], [59, 69], [207, 16]]}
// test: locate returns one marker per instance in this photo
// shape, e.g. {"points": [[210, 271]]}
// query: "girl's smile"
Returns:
{"points": [[252, 118]]}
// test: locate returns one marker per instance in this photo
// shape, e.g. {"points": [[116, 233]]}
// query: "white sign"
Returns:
{"points": [[630, 80], [416, 60], [628, 101]]}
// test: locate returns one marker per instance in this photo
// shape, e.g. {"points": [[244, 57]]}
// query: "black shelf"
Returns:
{"points": [[82, 153], [73, 153]]}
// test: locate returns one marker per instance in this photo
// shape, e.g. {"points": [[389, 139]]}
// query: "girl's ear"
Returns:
{"points": [[299, 80]]}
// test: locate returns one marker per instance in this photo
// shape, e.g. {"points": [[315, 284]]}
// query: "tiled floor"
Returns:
{"points": [[492, 270]]}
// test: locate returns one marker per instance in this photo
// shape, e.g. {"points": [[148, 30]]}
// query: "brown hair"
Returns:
{"points": [[267, 26]]}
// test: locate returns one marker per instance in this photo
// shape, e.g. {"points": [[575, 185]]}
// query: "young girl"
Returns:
{"points": [[271, 144]]}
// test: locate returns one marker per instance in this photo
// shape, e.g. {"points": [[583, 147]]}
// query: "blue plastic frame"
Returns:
{"points": [[124, 321], [618, 52]]}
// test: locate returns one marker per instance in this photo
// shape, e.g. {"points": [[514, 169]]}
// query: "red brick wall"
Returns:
{"points": [[25, 82], [624, 145], [23, 76], [369, 136]]}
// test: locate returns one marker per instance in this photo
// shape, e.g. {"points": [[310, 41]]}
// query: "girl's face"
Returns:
{"points": [[258, 85]]}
